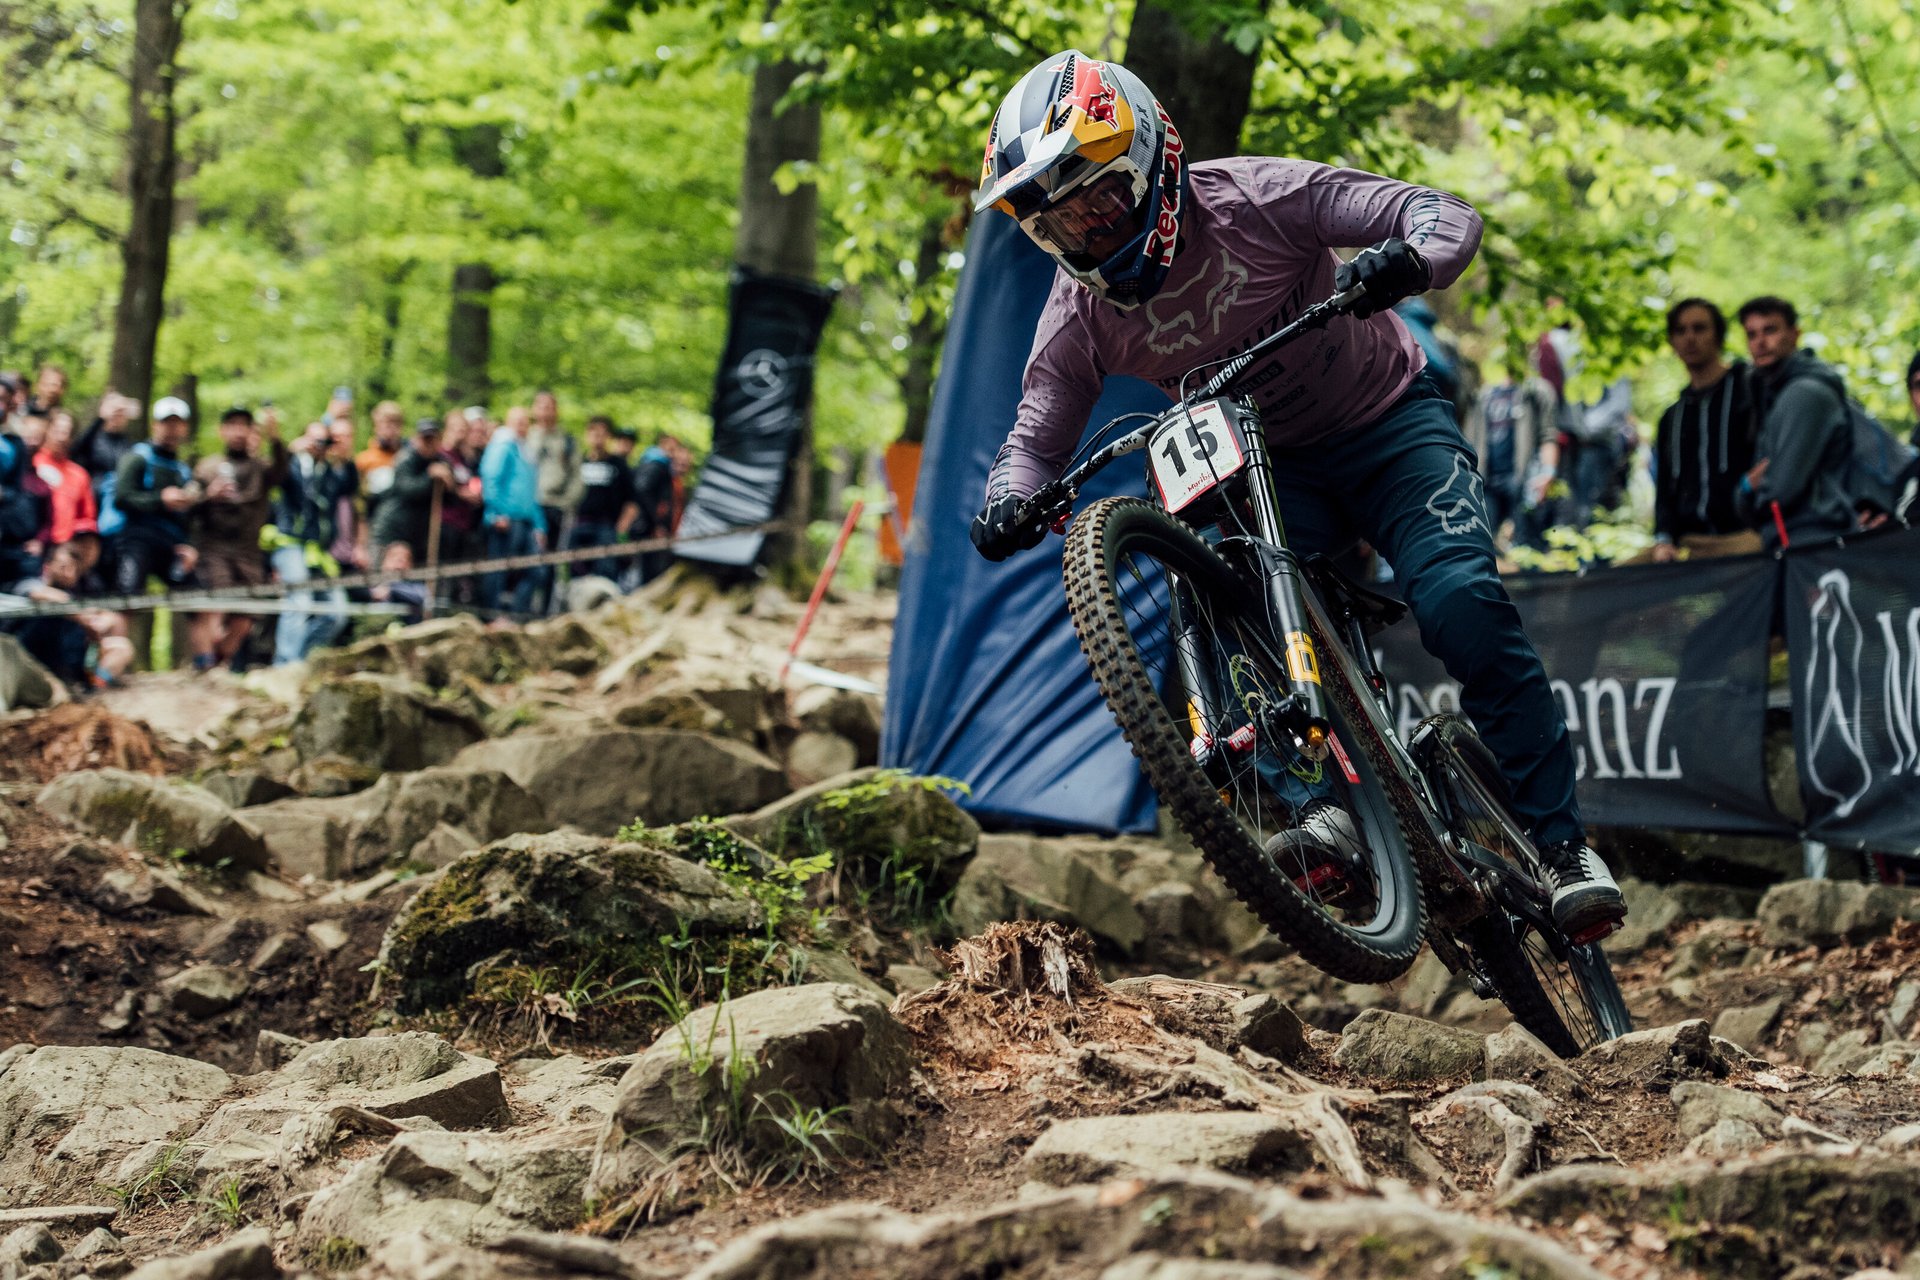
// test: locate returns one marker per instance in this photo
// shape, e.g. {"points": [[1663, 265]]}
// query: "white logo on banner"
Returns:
{"points": [[762, 373], [1614, 735], [1837, 764]]}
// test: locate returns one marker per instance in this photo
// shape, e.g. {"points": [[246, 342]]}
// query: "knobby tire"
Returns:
{"points": [[1093, 546]]}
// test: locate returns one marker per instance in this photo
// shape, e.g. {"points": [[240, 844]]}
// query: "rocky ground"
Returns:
{"points": [[586, 950]]}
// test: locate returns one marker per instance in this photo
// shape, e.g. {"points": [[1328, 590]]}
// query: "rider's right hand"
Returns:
{"points": [[995, 533]]}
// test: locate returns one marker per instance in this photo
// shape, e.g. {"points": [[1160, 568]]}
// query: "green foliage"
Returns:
{"points": [[337, 1253], [164, 1182], [226, 1203], [1612, 537]]}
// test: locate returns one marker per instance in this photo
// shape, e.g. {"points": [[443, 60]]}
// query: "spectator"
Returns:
{"points": [[621, 445], [311, 493], [73, 509], [49, 390], [1797, 490], [61, 643], [516, 524], [153, 493], [655, 496], [1505, 430], [396, 558], [607, 507], [557, 455], [10, 397], [406, 513], [1913, 397], [236, 505], [346, 486], [105, 441], [23, 505], [1705, 442], [375, 462]]}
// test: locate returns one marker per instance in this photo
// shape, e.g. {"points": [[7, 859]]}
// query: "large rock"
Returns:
{"points": [[824, 1045], [457, 1188], [1185, 1220], [555, 900], [1396, 1048], [882, 825], [1834, 1210], [1828, 913], [1658, 1055], [600, 782], [1704, 1106], [410, 1076], [438, 653], [1097, 1148], [203, 990], [156, 815], [1018, 877], [381, 722], [246, 1256], [24, 683], [853, 716], [401, 816], [70, 1116]]}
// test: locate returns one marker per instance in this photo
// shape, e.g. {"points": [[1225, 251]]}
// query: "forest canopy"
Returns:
{"points": [[340, 161]]}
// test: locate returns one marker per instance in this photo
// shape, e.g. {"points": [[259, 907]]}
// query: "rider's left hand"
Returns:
{"points": [[1390, 271]]}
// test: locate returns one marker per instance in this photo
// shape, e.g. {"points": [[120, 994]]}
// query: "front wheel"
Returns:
{"points": [[1565, 994], [1126, 563]]}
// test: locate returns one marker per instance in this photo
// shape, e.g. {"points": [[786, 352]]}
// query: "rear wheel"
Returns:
{"points": [[1125, 559], [1565, 995]]}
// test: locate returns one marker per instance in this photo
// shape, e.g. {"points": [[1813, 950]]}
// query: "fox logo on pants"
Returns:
{"points": [[1458, 502]]}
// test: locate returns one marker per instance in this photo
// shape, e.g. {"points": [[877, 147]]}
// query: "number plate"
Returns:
{"points": [[1194, 452]]}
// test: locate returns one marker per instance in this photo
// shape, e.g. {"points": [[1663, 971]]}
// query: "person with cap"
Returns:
{"points": [[237, 485], [405, 514], [153, 494], [315, 488], [607, 507]]}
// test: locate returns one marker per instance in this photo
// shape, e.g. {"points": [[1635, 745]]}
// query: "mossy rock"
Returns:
{"points": [[558, 902], [382, 722], [879, 823]]}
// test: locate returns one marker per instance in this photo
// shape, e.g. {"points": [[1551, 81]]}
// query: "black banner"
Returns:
{"points": [[1852, 617], [1661, 672], [761, 397]]}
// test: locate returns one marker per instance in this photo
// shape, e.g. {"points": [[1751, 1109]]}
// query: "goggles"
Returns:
{"points": [[1083, 215]]}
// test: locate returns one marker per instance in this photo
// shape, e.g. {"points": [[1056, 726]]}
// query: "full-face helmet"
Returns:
{"points": [[1085, 158]]}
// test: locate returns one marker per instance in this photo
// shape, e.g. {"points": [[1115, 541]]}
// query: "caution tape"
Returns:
{"points": [[212, 600]]}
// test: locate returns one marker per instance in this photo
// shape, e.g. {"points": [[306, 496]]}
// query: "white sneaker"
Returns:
{"points": [[1587, 904]]}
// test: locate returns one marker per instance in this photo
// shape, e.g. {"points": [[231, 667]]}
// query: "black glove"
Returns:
{"points": [[996, 536], [1390, 271]]}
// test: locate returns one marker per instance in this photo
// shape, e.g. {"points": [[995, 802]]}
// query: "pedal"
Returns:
{"points": [[1595, 934]]}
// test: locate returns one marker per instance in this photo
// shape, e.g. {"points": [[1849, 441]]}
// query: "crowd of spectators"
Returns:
{"points": [[1754, 455], [104, 512]]}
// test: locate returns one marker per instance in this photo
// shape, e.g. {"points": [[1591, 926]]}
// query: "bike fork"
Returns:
{"points": [[1284, 587]]}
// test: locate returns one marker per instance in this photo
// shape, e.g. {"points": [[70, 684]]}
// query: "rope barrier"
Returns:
{"points": [[210, 600]]}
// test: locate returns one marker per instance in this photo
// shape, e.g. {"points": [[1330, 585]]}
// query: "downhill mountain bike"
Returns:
{"points": [[1230, 661]]}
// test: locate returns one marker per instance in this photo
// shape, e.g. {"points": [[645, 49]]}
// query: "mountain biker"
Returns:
{"points": [[1165, 266]]}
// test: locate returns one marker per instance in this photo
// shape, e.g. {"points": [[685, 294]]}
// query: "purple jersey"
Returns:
{"points": [[1256, 250]]}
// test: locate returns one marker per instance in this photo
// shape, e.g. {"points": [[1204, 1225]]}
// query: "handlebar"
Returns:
{"points": [[1052, 503]]}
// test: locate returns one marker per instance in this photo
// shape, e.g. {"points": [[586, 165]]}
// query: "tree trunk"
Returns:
{"points": [[1204, 83], [923, 336], [152, 168], [470, 323], [779, 235]]}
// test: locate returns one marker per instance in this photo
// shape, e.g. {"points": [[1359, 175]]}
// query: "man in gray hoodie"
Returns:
{"points": [[1797, 491]]}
